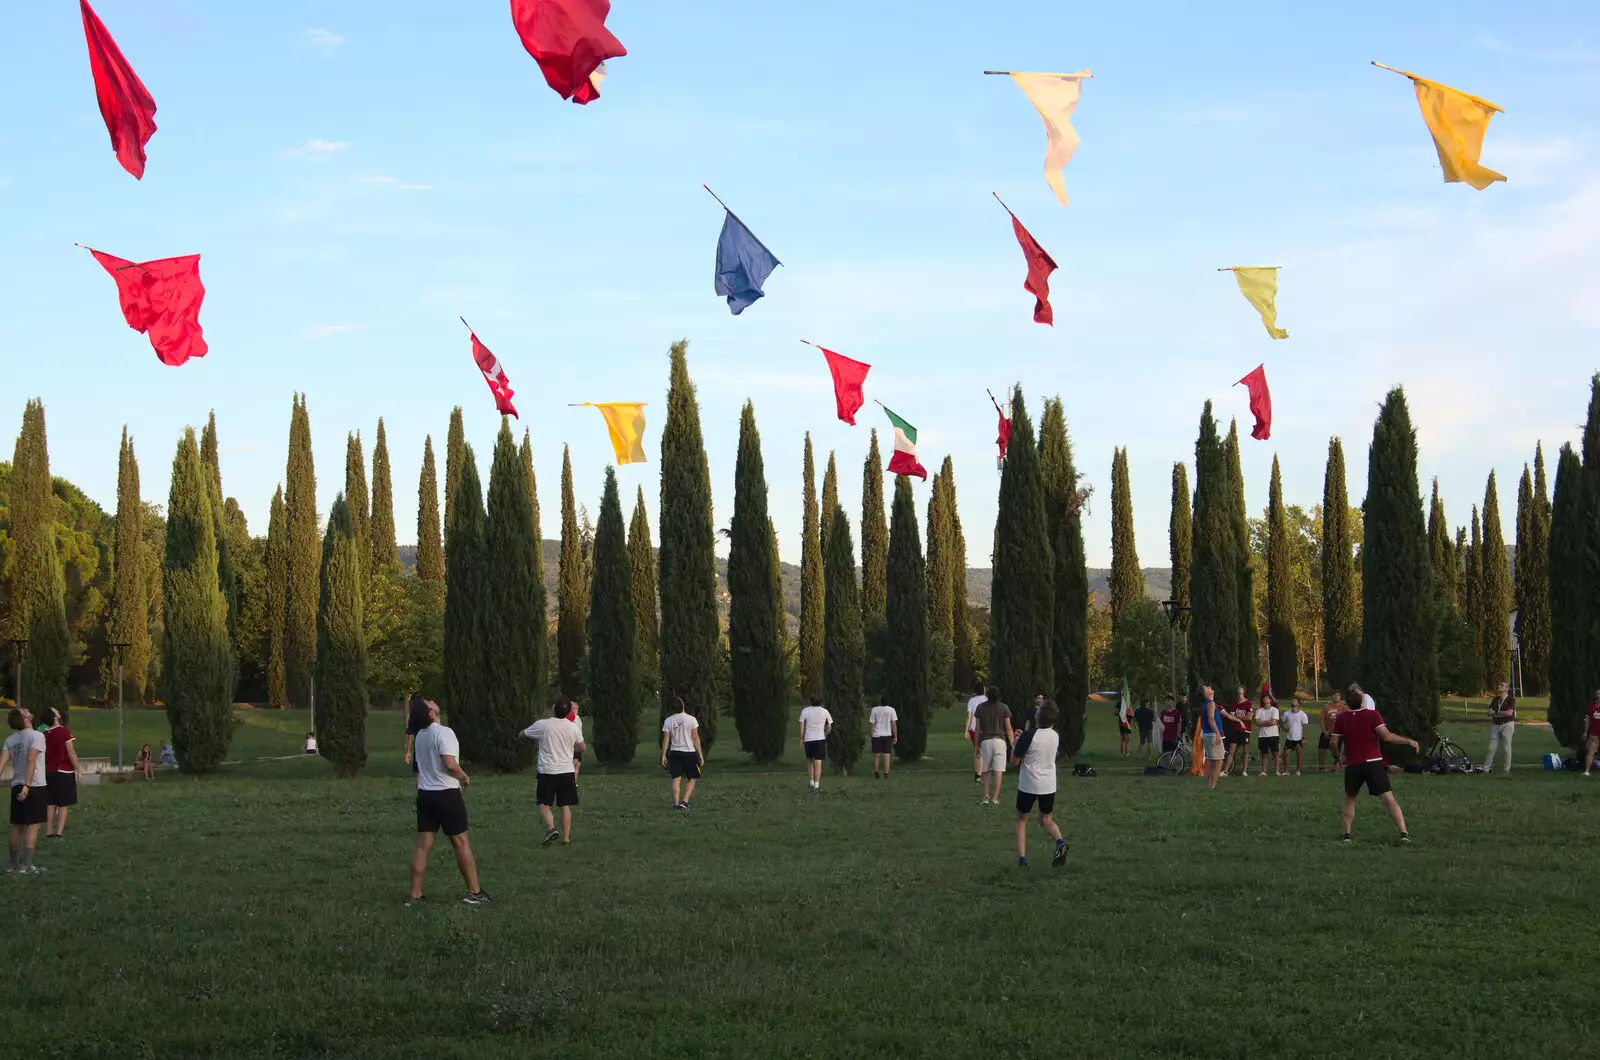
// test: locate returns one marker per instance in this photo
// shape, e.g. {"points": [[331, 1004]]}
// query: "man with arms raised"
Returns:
{"points": [[1364, 732], [995, 737], [440, 779], [681, 753], [560, 743]]}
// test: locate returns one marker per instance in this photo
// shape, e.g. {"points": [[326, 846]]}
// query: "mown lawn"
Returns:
{"points": [[258, 913]]}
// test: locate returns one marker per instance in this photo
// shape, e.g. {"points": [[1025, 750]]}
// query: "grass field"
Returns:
{"points": [[258, 913]]}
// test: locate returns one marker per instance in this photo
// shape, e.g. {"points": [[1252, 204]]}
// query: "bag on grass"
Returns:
{"points": [[1081, 770]]}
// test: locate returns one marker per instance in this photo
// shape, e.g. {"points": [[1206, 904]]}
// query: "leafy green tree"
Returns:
{"points": [[340, 718], [755, 606], [613, 625], [874, 541], [1571, 604], [572, 592], [1214, 582], [1341, 628], [1283, 649], [302, 561], [1496, 593], [689, 633], [1249, 629], [647, 629], [1127, 579], [198, 665], [380, 528], [907, 687], [512, 621], [1069, 643], [1022, 598], [405, 636], [1398, 664], [1139, 648], [430, 548], [129, 623], [1533, 577], [844, 652], [466, 602], [812, 596], [277, 589], [941, 582]]}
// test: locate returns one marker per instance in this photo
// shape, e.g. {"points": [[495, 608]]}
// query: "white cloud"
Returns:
{"points": [[323, 331], [324, 41], [317, 149]]}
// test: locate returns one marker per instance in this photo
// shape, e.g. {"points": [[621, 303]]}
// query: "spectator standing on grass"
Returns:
{"points": [[980, 694], [1171, 726], [996, 737], [681, 754], [572, 716], [1364, 734], [439, 802], [62, 774], [1236, 726], [1294, 732], [1124, 723], [24, 749], [1035, 757], [411, 735], [815, 724], [1145, 718], [1266, 718], [560, 743], [1502, 726], [885, 721], [1591, 742], [1211, 735], [1329, 741]]}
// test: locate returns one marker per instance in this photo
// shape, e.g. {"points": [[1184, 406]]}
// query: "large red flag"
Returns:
{"points": [[569, 40], [1040, 266], [162, 299], [848, 375], [126, 106], [494, 375], [1003, 438], [1260, 402]]}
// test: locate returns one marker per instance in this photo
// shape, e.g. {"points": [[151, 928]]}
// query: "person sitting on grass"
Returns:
{"points": [[815, 724], [681, 753], [1035, 757], [310, 746], [560, 745], [145, 764], [885, 734], [169, 757], [1145, 718], [1294, 726], [440, 779], [1364, 731], [24, 749]]}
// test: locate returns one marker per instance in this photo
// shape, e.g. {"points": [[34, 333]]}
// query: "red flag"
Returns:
{"points": [[1260, 402], [1040, 266], [128, 110], [494, 375], [161, 298], [1003, 439], [848, 375], [569, 40]]}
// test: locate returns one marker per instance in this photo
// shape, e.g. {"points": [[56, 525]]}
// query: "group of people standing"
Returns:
{"points": [[45, 773]]}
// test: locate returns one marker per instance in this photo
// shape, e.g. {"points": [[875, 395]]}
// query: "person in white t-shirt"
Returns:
{"points": [[1035, 757], [1294, 725], [972, 729], [885, 734], [681, 753], [560, 743], [440, 779], [1266, 719], [30, 796], [815, 724]]}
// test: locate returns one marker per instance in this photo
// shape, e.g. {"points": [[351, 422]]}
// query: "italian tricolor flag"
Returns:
{"points": [[904, 460]]}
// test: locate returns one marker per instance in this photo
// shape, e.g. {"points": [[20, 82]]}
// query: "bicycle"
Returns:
{"points": [[1442, 750], [1177, 761]]}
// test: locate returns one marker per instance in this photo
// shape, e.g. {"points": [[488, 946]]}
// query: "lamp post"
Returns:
{"points": [[118, 646], [1175, 612]]}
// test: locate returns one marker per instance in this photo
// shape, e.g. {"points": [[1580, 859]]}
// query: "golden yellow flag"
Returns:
{"points": [[1458, 122], [1259, 286], [625, 422]]}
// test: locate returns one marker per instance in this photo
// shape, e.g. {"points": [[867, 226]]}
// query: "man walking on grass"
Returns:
{"points": [[815, 724], [1502, 726], [980, 694], [885, 734], [24, 749], [681, 753], [439, 803], [995, 736], [1364, 732], [1329, 741], [560, 745], [1035, 757]]}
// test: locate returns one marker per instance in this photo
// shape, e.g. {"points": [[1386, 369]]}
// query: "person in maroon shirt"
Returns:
{"points": [[61, 775], [1364, 734], [1171, 726], [1236, 726], [1592, 743]]}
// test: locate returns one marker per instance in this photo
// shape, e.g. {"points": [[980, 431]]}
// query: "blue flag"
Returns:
{"points": [[743, 264]]}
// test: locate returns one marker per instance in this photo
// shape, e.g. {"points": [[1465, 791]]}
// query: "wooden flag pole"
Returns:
{"points": [[466, 325], [1008, 73], [1002, 202], [808, 342], [720, 203], [1391, 69], [1232, 268]]}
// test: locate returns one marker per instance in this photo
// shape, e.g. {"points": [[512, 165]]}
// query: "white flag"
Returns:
{"points": [[1055, 97]]}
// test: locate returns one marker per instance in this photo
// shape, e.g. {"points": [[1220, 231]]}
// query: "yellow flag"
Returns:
{"points": [[1457, 122], [1260, 288], [1055, 97], [625, 422]]}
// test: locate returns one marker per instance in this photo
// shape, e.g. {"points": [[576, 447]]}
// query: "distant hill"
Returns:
{"points": [[1157, 580]]}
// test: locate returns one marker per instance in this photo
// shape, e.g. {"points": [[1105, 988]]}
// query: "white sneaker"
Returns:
{"points": [[1297, 772], [985, 802], [1263, 772]]}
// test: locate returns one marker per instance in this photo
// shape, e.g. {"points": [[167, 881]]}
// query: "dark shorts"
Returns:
{"points": [[1323, 742], [680, 764], [1293, 745], [1375, 775], [1124, 729], [1267, 744], [444, 809], [1026, 799], [61, 789], [816, 750], [1236, 738], [882, 745], [30, 810], [558, 789], [1168, 746], [1145, 735]]}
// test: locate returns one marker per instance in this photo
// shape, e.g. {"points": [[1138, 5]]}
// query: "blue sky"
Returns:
{"points": [[357, 174]]}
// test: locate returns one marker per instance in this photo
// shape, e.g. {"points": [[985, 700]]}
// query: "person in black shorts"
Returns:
{"points": [[561, 745], [440, 806], [682, 754], [1364, 732], [1145, 717]]}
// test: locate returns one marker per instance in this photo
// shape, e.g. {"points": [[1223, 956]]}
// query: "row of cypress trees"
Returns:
{"points": [[1574, 565]]}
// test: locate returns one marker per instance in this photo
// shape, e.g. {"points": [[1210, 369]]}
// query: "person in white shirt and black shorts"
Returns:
{"points": [[1035, 755], [885, 734], [440, 806], [560, 743], [815, 724], [681, 753]]}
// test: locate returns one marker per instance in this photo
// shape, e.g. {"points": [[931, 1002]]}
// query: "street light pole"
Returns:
{"points": [[117, 647]]}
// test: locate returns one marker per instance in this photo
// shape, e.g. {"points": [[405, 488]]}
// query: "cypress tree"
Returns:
{"points": [[355, 498], [512, 622], [941, 578], [1496, 592], [906, 614], [1213, 570], [1341, 631], [962, 675], [1440, 553], [830, 501], [31, 508], [227, 576], [689, 633], [380, 528], [844, 654], [1473, 599], [277, 600], [874, 542], [430, 547], [647, 631], [454, 449], [1127, 580], [811, 591], [541, 597], [1249, 631], [44, 678], [1180, 538], [130, 614], [613, 624], [1570, 603], [466, 677], [572, 591], [1460, 555], [1591, 552], [1069, 643], [340, 719], [1533, 581], [1398, 664], [754, 606], [197, 655], [1022, 600], [302, 560], [1283, 650]]}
